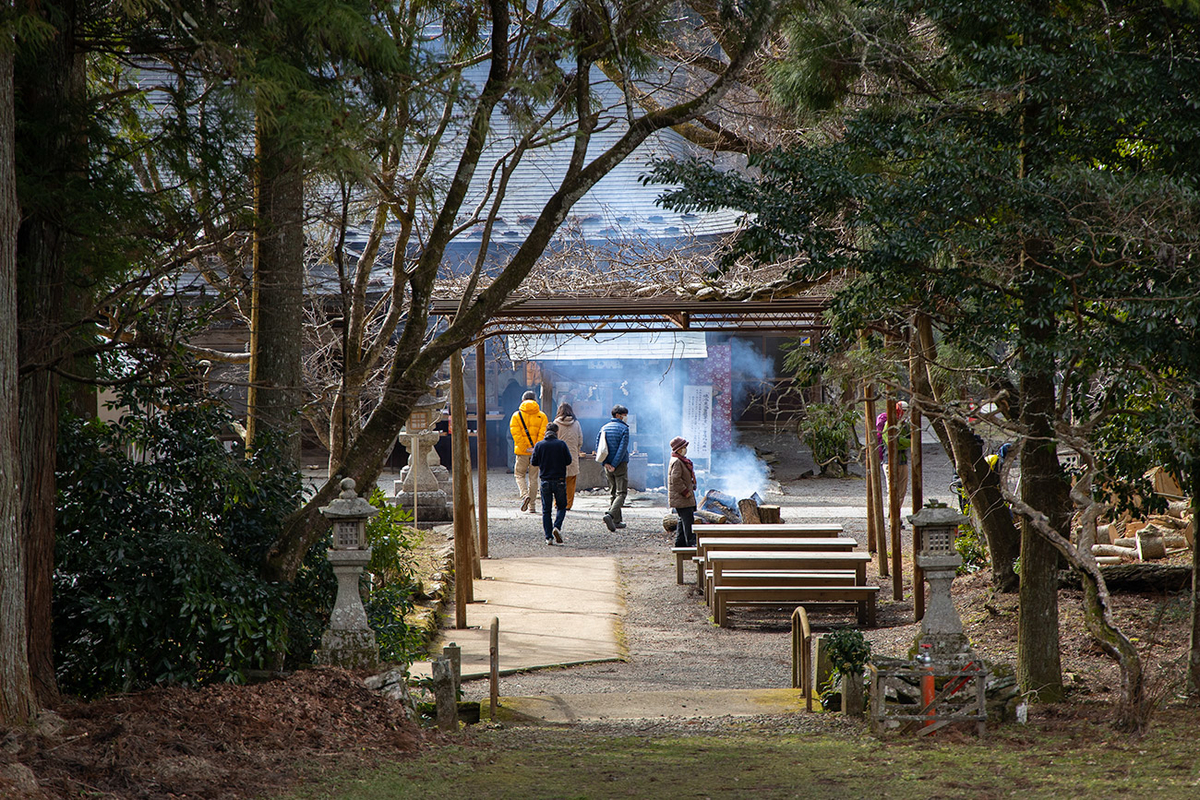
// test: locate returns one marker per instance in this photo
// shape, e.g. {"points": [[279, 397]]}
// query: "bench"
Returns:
{"points": [[783, 529], [781, 577], [775, 577], [815, 530], [863, 598], [708, 545]]}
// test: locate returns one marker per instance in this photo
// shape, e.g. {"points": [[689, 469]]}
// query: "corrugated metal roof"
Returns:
{"points": [[608, 346]]}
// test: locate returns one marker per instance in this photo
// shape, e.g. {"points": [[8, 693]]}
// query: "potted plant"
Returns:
{"points": [[848, 652]]}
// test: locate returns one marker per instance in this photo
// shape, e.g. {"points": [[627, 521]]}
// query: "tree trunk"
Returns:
{"points": [[51, 85], [277, 305], [1193, 673], [1044, 489], [988, 510], [18, 703]]}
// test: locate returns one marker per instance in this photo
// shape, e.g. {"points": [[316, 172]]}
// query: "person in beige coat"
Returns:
{"points": [[571, 432], [681, 492]]}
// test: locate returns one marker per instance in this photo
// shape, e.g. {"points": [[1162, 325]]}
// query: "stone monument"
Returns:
{"points": [[941, 627], [424, 487], [349, 642]]}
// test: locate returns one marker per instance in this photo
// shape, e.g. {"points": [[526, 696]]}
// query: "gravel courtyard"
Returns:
{"points": [[671, 640]]}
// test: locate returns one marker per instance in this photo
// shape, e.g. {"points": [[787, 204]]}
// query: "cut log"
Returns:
{"points": [[1104, 534], [1126, 541], [749, 511], [1150, 544], [1128, 553], [1175, 541], [769, 515], [670, 523], [710, 517], [1167, 522], [1108, 561], [1189, 533], [1179, 508]]}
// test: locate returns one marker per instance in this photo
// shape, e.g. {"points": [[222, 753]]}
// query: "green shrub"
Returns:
{"points": [[826, 428], [971, 547], [848, 652], [160, 534], [392, 581]]}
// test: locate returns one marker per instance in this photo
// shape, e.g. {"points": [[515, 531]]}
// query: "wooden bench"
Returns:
{"points": [[782, 566], [862, 597], [776, 577], [787, 529], [766, 544], [816, 530]]}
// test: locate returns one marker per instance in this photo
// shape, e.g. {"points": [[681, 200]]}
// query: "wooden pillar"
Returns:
{"points": [[481, 445], [916, 369], [464, 572], [893, 495], [869, 466], [875, 507]]}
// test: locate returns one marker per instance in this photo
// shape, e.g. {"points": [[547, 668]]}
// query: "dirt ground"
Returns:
{"points": [[251, 741]]}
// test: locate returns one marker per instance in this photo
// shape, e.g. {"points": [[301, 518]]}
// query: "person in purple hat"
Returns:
{"points": [[681, 491]]}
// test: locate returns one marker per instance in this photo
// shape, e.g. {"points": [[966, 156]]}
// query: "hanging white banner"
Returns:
{"points": [[697, 420]]}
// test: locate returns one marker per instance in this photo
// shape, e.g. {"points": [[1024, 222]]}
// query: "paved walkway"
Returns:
{"points": [[558, 612], [649, 705], [553, 612]]}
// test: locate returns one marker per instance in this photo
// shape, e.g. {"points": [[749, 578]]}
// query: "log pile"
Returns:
{"points": [[718, 508], [1155, 537]]}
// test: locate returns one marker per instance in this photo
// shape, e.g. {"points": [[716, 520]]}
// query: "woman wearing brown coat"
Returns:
{"points": [[681, 492], [570, 431]]}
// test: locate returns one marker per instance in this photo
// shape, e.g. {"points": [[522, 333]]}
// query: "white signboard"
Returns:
{"points": [[697, 420]]}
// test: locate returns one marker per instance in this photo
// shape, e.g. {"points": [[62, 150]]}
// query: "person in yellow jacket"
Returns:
{"points": [[528, 427]]}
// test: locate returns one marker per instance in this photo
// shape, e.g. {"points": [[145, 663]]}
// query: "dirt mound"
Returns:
{"points": [[224, 742]]}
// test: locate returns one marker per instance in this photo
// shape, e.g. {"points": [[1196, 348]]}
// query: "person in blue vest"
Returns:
{"points": [[552, 456], [612, 450]]}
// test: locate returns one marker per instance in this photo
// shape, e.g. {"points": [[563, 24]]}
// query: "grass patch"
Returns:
{"points": [[1059, 758]]}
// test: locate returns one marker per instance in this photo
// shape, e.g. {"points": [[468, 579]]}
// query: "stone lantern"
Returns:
{"points": [[424, 485], [941, 627], [349, 642]]}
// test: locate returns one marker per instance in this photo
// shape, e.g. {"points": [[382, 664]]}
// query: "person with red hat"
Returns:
{"points": [[903, 443], [681, 491]]}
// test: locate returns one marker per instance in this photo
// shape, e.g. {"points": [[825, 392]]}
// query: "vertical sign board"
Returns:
{"points": [[697, 420]]}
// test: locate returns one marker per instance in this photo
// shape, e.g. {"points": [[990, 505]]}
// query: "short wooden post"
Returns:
{"points": [[454, 653], [494, 664], [445, 700]]}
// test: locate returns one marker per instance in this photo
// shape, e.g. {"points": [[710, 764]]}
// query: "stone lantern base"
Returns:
{"points": [[431, 506], [947, 649], [348, 649]]}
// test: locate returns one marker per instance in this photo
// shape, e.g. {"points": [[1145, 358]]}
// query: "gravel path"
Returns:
{"points": [[671, 640]]}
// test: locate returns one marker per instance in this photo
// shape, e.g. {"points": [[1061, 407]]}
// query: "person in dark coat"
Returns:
{"points": [[681, 491], [552, 457], [612, 450]]}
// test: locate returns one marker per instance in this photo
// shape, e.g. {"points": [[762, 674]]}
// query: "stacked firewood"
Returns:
{"points": [[1154, 537]]}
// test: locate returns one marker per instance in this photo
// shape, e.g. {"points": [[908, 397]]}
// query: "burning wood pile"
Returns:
{"points": [[717, 508], [721, 508]]}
